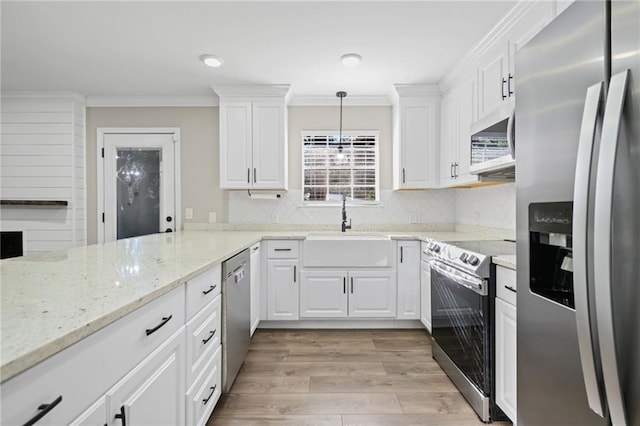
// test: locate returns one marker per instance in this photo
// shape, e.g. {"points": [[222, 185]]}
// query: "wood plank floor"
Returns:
{"points": [[340, 378]]}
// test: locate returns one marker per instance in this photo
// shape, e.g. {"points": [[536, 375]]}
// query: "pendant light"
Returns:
{"points": [[341, 158]]}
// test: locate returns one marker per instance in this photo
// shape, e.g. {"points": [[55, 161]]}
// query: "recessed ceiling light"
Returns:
{"points": [[350, 60], [212, 60]]}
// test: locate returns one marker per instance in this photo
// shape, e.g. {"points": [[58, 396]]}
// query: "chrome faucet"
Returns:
{"points": [[344, 214]]}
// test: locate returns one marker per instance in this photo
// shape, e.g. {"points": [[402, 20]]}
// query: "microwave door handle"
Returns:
{"points": [[592, 107], [511, 133], [602, 244]]}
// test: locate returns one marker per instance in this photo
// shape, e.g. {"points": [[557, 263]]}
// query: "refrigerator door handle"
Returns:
{"points": [[602, 244], [592, 107], [511, 133]]}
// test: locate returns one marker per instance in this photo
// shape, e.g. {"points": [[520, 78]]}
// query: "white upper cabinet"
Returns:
{"points": [[458, 112], [253, 136], [496, 78], [415, 136]]}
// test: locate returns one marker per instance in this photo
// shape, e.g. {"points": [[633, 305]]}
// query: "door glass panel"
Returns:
{"points": [[138, 192]]}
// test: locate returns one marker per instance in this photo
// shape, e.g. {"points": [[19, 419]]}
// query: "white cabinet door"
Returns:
{"points": [[96, 415], [493, 79], [418, 141], [467, 97], [323, 294], [255, 287], [448, 140], [506, 358], [408, 279], [235, 144], [153, 392], [283, 293], [425, 295], [269, 145], [372, 294]]}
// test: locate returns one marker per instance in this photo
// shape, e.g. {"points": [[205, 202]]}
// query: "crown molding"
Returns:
{"points": [[253, 91], [29, 96], [152, 101]]}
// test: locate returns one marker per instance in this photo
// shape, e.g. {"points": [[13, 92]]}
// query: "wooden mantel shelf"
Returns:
{"points": [[52, 203]]}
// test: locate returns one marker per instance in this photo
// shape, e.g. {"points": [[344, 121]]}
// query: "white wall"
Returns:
{"points": [[43, 158], [491, 206]]}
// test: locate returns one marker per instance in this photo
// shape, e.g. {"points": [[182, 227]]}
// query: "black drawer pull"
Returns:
{"points": [[44, 410], [210, 289], [282, 249], [508, 287], [205, 341], [213, 389], [122, 416], [157, 327]]}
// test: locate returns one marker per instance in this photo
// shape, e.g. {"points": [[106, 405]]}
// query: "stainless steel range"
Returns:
{"points": [[462, 305]]}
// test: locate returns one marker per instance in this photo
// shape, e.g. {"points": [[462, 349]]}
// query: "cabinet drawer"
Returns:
{"points": [[282, 249], [205, 392], [506, 285], [82, 372], [203, 337], [203, 289]]}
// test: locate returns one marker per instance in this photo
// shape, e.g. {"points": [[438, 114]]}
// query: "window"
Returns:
{"points": [[329, 174]]}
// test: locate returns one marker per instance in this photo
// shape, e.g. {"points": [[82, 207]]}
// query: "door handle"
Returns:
{"points": [[584, 162], [602, 226]]}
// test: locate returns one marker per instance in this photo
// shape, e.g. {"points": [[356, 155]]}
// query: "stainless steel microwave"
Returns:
{"points": [[493, 145]]}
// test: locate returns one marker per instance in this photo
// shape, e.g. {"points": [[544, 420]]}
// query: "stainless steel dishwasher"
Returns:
{"points": [[236, 319]]}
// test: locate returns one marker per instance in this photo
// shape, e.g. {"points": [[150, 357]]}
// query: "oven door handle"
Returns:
{"points": [[478, 285]]}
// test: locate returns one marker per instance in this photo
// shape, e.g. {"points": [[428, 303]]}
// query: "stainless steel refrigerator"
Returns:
{"points": [[578, 218]]}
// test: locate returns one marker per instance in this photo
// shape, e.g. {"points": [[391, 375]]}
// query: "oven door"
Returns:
{"points": [[460, 321]]}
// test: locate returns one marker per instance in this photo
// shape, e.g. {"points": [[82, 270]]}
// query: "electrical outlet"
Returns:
{"points": [[274, 218], [188, 213], [212, 217], [415, 217]]}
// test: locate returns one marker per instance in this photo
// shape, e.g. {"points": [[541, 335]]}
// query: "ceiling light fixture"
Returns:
{"points": [[212, 61], [350, 60]]}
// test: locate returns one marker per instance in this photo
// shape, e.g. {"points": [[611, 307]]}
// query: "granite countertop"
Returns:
{"points": [[52, 300], [508, 261]]}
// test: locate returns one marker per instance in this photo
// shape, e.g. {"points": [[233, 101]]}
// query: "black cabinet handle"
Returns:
{"points": [[44, 410], [351, 285], [401, 253], [509, 85], [294, 273], [211, 334], [213, 389], [157, 327], [403, 176], [122, 416], [455, 170], [502, 90], [254, 175], [451, 171], [210, 289], [344, 285], [248, 175], [508, 287], [282, 249]]}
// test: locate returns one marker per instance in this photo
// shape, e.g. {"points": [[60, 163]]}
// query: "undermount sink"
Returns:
{"points": [[347, 250]]}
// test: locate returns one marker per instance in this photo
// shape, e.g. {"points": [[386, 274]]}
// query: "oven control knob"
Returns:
{"points": [[464, 257], [436, 248], [473, 261]]}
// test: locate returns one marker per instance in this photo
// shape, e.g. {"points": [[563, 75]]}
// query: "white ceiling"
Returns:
{"points": [[151, 48]]}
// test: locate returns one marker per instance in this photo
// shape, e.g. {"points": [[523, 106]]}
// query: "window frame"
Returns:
{"points": [[335, 133]]}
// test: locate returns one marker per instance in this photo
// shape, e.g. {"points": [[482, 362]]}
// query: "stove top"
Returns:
{"points": [[473, 257]]}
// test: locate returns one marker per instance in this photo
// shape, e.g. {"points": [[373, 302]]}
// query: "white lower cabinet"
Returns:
{"points": [[205, 391], [153, 392], [323, 294], [408, 279], [255, 287], [425, 294], [506, 354], [282, 280], [96, 415], [342, 294]]}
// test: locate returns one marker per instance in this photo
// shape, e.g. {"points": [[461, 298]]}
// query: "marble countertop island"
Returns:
{"points": [[52, 300]]}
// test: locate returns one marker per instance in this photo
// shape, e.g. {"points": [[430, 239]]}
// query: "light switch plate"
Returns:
{"points": [[188, 213], [212, 217]]}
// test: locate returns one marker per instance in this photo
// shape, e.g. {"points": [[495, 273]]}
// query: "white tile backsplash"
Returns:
{"points": [[490, 206]]}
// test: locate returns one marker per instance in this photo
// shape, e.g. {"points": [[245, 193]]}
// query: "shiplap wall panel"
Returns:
{"points": [[42, 157]]}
